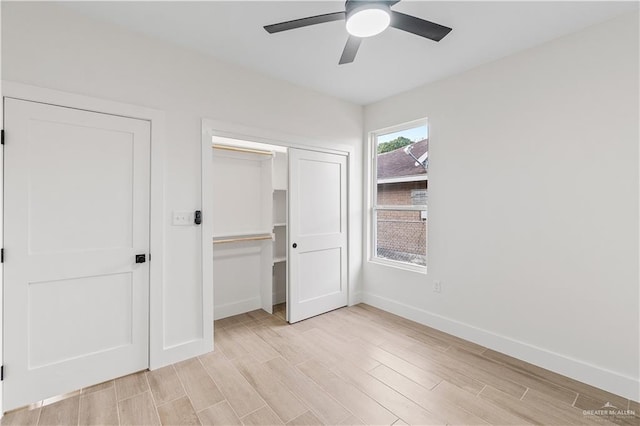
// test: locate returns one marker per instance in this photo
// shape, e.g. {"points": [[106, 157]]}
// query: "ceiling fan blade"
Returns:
{"points": [[418, 26], [304, 22], [350, 50]]}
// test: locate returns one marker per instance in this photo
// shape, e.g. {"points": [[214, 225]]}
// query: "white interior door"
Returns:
{"points": [[76, 302], [318, 233]]}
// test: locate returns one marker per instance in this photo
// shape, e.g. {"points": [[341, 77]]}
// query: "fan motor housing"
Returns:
{"points": [[351, 6]]}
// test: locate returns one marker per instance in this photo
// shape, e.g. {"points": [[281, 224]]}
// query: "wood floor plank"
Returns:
{"points": [[63, 412], [242, 397], [436, 362], [305, 419], [571, 415], [232, 320], [457, 361], [200, 388], [99, 408], [530, 412], [262, 417], [356, 401], [99, 387], [493, 368], [434, 403], [457, 368], [131, 385], [289, 350], [225, 341], [352, 420], [393, 333], [370, 328], [252, 344], [320, 350], [424, 330], [588, 402], [219, 414], [486, 410], [178, 412], [277, 396], [258, 315], [324, 406], [355, 365], [165, 384], [24, 416], [329, 348], [393, 400], [392, 325], [330, 322], [138, 410], [423, 377], [555, 378]]}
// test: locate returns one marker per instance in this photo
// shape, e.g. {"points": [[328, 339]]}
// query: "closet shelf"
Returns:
{"points": [[240, 149], [279, 259], [279, 224], [239, 237]]}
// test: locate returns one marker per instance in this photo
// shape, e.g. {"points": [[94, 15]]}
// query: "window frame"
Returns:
{"points": [[373, 207]]}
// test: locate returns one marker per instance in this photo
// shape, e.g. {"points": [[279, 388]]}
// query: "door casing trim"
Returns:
{"points": [[224, 129], [157, 352]]}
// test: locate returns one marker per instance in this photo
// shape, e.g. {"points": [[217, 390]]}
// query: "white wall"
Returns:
{"points": [[52, 47], [533, 206]]}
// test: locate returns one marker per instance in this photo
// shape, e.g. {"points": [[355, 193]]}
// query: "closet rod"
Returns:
{"points": [[235, 240], [238, 149]]}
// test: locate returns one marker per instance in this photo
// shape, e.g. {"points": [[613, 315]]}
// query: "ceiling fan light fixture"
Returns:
{"points": [[368, 20]]}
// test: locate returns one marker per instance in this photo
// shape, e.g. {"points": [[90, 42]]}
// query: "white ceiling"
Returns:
{"points": [[387, 64]]}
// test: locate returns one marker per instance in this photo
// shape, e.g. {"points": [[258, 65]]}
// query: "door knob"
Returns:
{"points": [[295, 245], [141, 258]]}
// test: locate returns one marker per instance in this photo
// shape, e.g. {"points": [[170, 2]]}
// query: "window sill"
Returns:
{"points": [[399, 265]]}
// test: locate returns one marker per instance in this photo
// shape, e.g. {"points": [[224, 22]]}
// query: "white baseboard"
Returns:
{"points": [[355, 298], [602, 378], [235, 308]]}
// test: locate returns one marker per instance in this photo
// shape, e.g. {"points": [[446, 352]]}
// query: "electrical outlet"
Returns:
{"points": [[182, 218], [437, 286]]}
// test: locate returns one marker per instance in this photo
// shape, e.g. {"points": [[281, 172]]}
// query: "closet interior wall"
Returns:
{"points": [[249, 228]]}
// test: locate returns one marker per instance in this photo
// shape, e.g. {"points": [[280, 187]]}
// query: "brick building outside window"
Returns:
{"points": [[401, 215]]}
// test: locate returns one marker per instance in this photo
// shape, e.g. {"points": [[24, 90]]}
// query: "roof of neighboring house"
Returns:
{"points": [[398, 163]]}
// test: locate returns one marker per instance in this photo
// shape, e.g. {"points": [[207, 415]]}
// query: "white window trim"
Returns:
{"points": [[372, 198]]}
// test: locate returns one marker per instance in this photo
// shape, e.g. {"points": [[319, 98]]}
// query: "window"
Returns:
{"points": [[400, 158]]}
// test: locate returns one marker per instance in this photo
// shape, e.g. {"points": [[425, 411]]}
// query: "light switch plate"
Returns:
{"points": [[182, 218]]}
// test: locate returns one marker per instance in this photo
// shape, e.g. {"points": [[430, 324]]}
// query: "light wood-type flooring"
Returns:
{"points": [[356, 365]]}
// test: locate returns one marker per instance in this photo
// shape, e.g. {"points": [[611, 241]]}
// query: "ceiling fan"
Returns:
{"points": [[366, 18]]}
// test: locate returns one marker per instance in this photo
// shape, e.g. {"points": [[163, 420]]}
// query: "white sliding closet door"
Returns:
{"points": [[76, 280], [317, 233]]}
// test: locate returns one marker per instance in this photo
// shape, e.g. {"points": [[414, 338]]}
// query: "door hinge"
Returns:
{"points": [[1, 255], [1, 372], [2, 137]]}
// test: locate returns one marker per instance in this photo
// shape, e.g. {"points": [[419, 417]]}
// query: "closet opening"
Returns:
{"points": [[250, 196], [274, 224]]}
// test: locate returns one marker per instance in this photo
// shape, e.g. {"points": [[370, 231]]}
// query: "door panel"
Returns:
{"points": [[76, 214], [320, 197], [323, 273], [105, 296], [100, 182], [318, 228]]}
